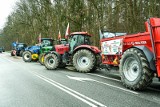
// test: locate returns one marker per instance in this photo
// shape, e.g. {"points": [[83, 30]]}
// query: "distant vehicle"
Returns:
{"points": [[18, 49], [1, 49]]}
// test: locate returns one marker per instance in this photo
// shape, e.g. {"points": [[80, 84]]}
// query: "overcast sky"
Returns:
{"points": [[6, 7]]}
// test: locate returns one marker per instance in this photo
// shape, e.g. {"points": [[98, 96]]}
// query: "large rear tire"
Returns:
{"points": [[27, 56], [51, 61], [134, 70], [84, 61]]}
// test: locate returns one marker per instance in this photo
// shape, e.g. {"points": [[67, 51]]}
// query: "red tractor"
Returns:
{"points": [[77, 52], [136, 55]]}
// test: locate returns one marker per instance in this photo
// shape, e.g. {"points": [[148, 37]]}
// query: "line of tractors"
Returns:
{"points": [[137, 56]]}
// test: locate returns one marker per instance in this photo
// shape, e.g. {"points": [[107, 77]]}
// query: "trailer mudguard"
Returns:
{"points": [[149, 55]]}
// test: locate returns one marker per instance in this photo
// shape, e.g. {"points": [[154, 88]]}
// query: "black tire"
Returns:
{"points": [[41, 59], [62, 65], [134, 70], [84, 61], [12, 54], [27, 56], [21, 53], [51, 61]]}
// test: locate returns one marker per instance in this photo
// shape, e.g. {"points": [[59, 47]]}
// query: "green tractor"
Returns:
{"points": [[47, 48]]}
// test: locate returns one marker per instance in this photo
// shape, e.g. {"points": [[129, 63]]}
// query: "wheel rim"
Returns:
{"points": [[131, 69], [83, 61], [42, 59], [51, 61], [26, 56]]}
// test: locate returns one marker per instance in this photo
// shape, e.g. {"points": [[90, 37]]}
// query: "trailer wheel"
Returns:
{"points": [[84, 61], [41, 59], [27, 56], [134, 70], [51, 61]]}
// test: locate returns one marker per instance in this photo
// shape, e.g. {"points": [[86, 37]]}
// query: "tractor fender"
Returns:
{"points": [[149, 55], [93, 49], [53, 52], [33, 49]]}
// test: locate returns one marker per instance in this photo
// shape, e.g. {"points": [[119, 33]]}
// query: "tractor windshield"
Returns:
{"points": [[46, 42], [77, 40], [63, 41], [80, 39]]}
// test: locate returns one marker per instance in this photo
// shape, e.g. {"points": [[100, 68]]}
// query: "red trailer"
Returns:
{"points": [[136, 55]]}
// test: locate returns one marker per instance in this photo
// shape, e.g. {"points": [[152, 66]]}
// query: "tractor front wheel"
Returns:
{"points": [[84, 61], [27, 56], [41, 59], [134, 70], [21, 53], [51, 61]]}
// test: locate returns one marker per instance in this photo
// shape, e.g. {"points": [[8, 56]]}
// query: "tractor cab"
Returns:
{"points": [[47, 42], [46, 45], [77, 39], [62, 41], [18, 48]]}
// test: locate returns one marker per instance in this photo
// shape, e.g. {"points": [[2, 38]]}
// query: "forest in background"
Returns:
{"points": [[46, 17]]}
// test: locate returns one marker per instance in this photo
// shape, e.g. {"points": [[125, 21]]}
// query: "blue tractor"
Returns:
{"points": [[18, 49], [32, 53]]}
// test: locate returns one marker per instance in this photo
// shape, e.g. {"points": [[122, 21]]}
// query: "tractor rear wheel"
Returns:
{"points": [[27, 56], [41, 59], [84, 61], [51, 61], [134, 70]]}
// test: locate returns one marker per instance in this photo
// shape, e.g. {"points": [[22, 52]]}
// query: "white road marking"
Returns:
{"points": [[72, 92], [124, 89], [89, 79], [99, 81], [104, 77], [80, 78], [118, 80]]}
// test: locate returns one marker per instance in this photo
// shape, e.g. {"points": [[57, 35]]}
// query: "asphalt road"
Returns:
{"points": [[31, 85]]}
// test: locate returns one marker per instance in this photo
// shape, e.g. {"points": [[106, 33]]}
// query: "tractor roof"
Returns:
{"points": [[80, 33]]}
